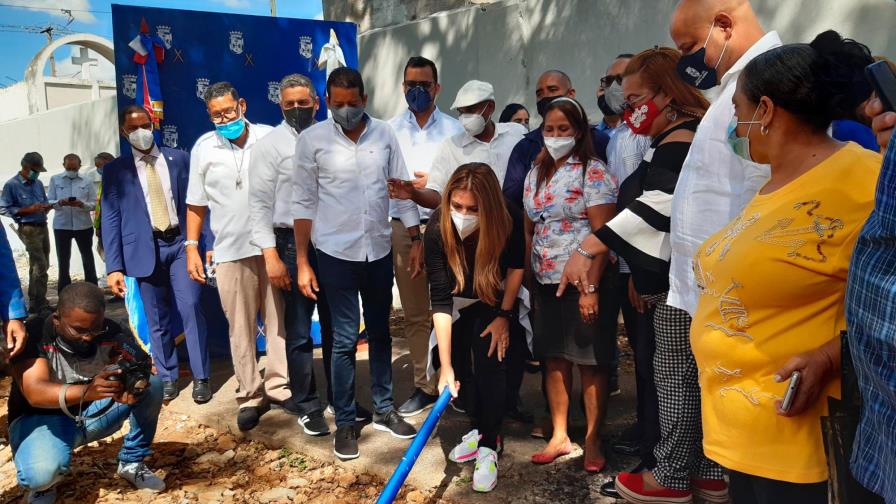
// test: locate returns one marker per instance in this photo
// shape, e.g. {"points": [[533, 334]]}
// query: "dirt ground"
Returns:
{"points": [[202, 465]]}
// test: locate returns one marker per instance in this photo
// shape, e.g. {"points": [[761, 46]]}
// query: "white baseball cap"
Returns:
{"points": [[473, 92]]}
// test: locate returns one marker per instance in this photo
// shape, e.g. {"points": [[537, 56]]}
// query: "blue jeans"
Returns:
{"points": [[42, 445], [297, 322], [342, 281]]}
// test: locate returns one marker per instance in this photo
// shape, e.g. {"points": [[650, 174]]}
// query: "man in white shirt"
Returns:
{"points": [[73, 196], [219, 182], [482, 141], [717, 39], [270, 199], [340, 191], [420, 130]]}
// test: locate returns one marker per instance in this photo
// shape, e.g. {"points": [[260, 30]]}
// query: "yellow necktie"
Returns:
{"points": [[158, 208]]}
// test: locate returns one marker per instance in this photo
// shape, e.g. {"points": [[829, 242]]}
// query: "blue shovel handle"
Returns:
{"points": [[410, 456]]}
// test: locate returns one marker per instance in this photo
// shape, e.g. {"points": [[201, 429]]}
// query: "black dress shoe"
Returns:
{"points": [[520, 415], [419, 402], [169, 390], [202, 392], [248, 417]]}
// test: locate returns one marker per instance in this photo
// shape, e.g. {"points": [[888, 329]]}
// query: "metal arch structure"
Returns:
{"points": [[34, 74]]}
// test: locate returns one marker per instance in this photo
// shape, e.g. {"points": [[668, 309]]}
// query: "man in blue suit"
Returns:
{"points": [[143, 223]]}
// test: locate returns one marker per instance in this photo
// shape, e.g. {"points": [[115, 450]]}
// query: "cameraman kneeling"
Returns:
{"points": [[66, 394]]}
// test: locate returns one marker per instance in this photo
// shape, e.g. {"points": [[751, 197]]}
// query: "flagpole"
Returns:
{"points": [[274, 8]]}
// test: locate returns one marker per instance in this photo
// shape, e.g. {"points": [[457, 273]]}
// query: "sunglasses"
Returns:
{"points": [[608, 80]]}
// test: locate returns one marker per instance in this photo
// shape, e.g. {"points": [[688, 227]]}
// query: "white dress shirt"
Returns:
{"points": [[463, 148], [214, 164], [341, 186], [420, 145], [714, 186], [625, 151], [271, 186], [71, 218], [164, 177]]}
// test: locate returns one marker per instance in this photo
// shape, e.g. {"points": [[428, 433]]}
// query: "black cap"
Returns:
{"points": [[34, 161]]}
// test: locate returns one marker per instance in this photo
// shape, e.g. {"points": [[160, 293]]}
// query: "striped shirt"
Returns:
{"points": [[624, 153], [639, 234], [870, 304]]}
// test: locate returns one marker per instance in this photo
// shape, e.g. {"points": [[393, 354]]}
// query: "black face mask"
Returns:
{"points": [[542, 105], [80, 349], [299, 118], [604, 107]]}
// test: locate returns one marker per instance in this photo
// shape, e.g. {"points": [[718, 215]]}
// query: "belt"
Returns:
{"points": [[33, 224], [168, 235]]}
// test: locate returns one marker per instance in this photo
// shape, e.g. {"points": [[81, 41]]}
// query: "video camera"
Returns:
{"points": [[135, 366]]}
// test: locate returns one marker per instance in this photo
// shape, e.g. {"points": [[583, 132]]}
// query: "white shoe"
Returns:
{"points": [[467, 449], [140, 476], [485, 475], [47, 496]]}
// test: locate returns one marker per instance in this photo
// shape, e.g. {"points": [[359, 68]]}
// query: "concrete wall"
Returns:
{"points": [[379, 14], [13, 102], [85, 129], [510, 43]]}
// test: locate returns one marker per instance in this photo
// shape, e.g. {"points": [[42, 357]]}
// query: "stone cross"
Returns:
{"points": [[86, 62]]}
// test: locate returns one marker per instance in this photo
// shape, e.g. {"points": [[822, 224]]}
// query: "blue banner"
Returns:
{"points": [[251, 52]]}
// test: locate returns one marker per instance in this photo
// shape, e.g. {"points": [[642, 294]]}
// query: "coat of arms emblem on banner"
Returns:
{"points": [[169, 136], [164, 33], [201, 86], [305, 47], [129, 85], [274, 92], [236, 42]]}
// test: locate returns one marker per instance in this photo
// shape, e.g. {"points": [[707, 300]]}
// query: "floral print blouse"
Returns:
{"points": [[559, 211]]}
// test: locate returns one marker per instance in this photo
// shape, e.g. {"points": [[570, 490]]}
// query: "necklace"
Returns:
{"points": [[239, 167]]}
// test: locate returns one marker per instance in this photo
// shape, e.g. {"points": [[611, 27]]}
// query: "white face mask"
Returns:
{"points": [[474, 124], [465, 224], [141, 139], [71, 174], [559, 146]]}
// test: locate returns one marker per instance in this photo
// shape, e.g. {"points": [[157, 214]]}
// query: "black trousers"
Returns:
{"points": [[84, 239], [749, 489], [482, 378], [642, 339]]}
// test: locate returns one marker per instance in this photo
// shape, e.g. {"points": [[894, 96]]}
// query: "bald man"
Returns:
{"points": [[551, 84], [717, 38]]}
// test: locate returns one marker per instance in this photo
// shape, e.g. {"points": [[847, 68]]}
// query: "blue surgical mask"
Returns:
{"points": [[741, 145], [233, 129], [692, 68], [418, 99]]}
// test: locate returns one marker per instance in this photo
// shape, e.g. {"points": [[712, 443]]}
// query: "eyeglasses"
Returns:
{"points": [[427, 85], [76, 333], [608, 80], [630, 105], [225, 115]]}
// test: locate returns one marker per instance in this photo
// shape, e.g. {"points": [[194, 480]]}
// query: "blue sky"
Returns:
{"points": [[94, 16]]}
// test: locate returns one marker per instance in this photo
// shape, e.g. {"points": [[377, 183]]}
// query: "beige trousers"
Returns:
{"points": [[414, 295], [245, 291]]}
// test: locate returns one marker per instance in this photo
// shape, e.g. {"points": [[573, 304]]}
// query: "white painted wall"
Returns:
{"points": [[510, 43], [13, 102], [85, 129]]}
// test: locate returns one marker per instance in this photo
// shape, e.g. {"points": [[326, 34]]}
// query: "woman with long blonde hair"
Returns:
{"points": [[474, 248]]}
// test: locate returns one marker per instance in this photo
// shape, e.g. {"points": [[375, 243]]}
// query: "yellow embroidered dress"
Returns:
{"points": [[772, 286]]}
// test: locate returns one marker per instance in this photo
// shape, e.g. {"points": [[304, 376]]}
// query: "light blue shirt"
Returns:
{"points": [[19, 193], [72, 218]]}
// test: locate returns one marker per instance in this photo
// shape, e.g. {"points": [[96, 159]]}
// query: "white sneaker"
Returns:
{"points": [[140, 476], [485, 474], [47, 496], [467, 449]]}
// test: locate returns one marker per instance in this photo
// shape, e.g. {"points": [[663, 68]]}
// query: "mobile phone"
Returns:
{"points": [[72, 198], [792, 387], [884, 81]]}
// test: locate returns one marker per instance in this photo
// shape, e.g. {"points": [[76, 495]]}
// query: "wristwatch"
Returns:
{"points": [[187, 243], [508, 314]]}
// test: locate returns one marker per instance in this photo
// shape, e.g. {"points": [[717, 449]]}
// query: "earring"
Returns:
{"points": [[763, 130], [672, 115]]}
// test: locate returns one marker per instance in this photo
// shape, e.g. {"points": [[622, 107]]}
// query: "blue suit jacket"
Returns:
{"points": [[127, 229]]}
